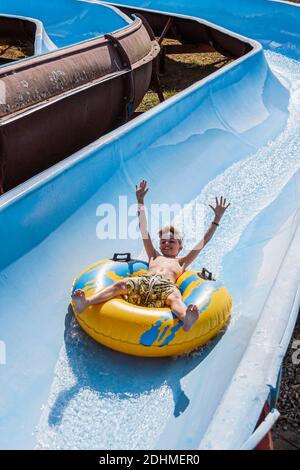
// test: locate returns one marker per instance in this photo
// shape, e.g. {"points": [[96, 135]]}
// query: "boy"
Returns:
{"points": [[157, 287]]}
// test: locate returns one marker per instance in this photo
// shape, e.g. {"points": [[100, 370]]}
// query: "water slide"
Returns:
{"points": [[235, 133], [58, 27]]}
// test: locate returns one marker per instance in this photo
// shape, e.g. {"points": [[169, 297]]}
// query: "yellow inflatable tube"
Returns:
{"points": [[143, 331]]}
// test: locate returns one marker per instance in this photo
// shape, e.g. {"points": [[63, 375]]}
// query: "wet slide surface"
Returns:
{"points": [[237, 134]]}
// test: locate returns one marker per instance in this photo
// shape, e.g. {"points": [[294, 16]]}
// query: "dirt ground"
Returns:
{"points": [[181, 71], [286, 432], [12, 50]]}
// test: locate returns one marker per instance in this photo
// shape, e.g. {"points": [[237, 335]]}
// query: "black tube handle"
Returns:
{"points": [[122, 257], [206, 274]]}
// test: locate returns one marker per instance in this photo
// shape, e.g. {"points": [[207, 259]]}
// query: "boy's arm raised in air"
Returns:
{"points": [[219, 210], [141, 191]]}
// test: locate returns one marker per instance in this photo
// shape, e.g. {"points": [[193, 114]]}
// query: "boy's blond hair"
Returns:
{"points": [[171, 229]]}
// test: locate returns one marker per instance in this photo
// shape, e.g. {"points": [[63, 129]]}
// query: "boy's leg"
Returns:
{"points": [[188, 315], [81, 302]]}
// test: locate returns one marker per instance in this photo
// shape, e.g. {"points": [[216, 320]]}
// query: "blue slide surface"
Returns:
{"points": [[235, 133], [61, 24]]}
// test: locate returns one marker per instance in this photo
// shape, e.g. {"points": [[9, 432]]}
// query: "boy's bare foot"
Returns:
{"points": [[79, 300], [191, 316]]}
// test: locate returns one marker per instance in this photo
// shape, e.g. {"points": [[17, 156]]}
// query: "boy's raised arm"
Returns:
{"points": [[141, 191], [219, 210]]}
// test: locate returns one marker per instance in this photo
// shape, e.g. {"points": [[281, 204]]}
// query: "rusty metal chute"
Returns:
{"points": [[59, 102]]}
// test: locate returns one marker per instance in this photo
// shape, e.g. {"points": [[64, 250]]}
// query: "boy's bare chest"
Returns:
{"points": [[167, 263]]}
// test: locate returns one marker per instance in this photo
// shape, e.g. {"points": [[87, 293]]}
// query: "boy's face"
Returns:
{"points": [[169, 245]]}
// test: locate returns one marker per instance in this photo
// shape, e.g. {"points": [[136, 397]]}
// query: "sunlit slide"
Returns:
{"points": [[236, 134]]}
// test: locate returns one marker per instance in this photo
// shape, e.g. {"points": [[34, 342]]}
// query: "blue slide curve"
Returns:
{"points": [[60, 24], [235, 133]]}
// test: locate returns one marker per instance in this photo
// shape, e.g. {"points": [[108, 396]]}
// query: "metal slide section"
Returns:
{"points": [[236, 133], [75, 94]]}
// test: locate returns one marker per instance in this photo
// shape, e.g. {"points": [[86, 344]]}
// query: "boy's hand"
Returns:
{"points": [[219, 209], [141, 191]]}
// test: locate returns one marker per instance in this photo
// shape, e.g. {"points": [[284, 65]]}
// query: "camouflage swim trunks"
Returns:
{"points": [[148, 290]]}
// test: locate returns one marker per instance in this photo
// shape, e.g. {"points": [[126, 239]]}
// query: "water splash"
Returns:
{"points": [[251, 184]]}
